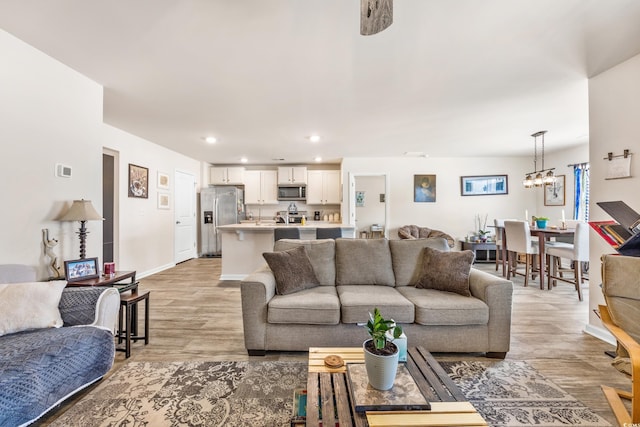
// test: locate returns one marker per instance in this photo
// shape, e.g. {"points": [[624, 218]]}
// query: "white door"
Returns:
{"points": [[185, 216]]}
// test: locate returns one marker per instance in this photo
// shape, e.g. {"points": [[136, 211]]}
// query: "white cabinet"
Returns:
{"points": [[261, 187], [226, 175], [292, 175], [323, 187]]}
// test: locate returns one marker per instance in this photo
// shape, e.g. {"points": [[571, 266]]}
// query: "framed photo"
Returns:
{"points": [[359, 199], [484, 185], [138, 181], [554, 194], [163, 181], [81, 269], [163, 201], [424, 188]]}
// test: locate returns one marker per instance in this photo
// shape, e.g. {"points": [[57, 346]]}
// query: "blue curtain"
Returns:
{"points": [[581, 199]]}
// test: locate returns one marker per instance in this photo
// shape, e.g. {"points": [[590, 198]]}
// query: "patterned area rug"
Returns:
{"points": [[506, 393]]}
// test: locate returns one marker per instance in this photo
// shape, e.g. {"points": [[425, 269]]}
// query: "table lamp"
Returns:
{"points": [[83, 211]]}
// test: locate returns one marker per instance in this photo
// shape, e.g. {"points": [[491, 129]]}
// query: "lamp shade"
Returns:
{"points": [[82, 210]]}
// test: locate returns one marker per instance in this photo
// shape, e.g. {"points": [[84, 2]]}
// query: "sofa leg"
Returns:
{"points": [[256, 352], [496, 354]]}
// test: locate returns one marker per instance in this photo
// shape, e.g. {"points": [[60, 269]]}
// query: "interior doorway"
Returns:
{"points": [[368, 204], [109, 206], [185, 216]]}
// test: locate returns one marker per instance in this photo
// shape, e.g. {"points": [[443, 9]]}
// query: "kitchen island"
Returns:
{"points": [[243, 244]]}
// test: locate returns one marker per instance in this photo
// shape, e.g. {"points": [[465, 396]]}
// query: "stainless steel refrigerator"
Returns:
{"points": [[219, 205]]}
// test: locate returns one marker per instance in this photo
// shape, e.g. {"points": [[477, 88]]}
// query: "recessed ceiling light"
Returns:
{"points": [[211, 139], [314, 138], [243, 160], [318, 159]]}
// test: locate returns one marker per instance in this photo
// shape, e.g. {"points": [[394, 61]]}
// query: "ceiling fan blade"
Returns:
{"points": [[375, 16]]}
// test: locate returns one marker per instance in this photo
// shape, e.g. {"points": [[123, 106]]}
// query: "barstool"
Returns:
{"points": [[128, 302]]}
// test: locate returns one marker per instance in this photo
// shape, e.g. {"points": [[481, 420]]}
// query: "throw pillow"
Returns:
{"points": [[33, 305], [292, 269], [446, 271]]}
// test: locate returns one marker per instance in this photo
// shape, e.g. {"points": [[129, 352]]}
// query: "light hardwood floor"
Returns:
{"points": [[195, 316]]}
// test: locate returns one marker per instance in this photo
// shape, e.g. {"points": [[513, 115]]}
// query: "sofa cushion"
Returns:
{"points": [[317, 306], [363, 262], [439, 308], [33, 305], [407, 256], [446, 271], [357, 301], [322, 254], [292, 269]]}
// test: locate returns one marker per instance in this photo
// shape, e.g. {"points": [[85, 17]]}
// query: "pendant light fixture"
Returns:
{"points": [[542, 176]]}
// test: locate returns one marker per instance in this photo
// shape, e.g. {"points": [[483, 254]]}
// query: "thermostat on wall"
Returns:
{"points": [[63, 171]]}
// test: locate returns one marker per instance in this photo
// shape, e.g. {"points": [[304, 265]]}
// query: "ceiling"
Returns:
{"points": [[448, 78]]}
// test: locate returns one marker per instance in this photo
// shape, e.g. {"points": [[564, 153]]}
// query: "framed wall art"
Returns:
{"points": [[163, 201], [138, 181], [81, 269], [554, 193], [424, 188], [163, 181], [359, 199], [484, 185]]}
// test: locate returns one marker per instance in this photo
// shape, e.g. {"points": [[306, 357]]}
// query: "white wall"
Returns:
{"points": [[614, 109], [146, 233], [51, 114], [48, 114], [451, 213]]}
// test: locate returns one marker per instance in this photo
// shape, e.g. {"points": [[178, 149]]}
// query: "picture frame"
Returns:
{"points": [[359, 199], [424, 188], [164, 201], [555, 193], [484, 185], [81, 269], [163, 181], [138, 185]]}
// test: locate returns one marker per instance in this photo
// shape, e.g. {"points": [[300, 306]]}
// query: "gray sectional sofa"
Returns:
{"points": [[40, 368], [356, 275]]}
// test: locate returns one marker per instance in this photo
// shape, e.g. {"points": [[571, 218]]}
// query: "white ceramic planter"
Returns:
{"points": [[381, 370]]}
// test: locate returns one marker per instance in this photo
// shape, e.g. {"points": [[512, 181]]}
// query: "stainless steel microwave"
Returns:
{"points": [[292, 192]]}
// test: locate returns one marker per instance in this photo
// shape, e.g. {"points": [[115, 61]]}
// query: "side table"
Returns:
{"points": [[487, 247]]}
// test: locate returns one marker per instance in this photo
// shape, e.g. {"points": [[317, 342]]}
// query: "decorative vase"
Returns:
{"points": [[541, 223], [381, 370]]}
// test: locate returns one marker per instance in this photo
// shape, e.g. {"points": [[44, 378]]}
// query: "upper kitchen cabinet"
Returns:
{"points": [[226, 175], [323, 187], [261, 187], [292, 175]]}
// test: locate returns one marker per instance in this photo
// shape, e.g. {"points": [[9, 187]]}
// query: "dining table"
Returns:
{"points": [[543, 235]]}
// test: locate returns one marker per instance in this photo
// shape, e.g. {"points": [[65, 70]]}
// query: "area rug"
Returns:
{"points": [[207, 394]]}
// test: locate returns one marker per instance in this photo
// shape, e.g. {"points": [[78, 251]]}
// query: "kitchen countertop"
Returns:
{"points": [[271, 225]]}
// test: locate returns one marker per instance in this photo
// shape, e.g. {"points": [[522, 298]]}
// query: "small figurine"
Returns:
{"points": [[49, 244]]}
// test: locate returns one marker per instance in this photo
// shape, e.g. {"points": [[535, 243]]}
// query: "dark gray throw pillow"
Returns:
{"points": [[446, 271], [292, 269]]}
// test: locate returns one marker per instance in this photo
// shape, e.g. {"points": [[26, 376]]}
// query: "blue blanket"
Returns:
{"points": [[40, 367]]}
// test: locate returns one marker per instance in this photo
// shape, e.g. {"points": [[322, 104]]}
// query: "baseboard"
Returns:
{"points": [[600, 333], [154, 270]]}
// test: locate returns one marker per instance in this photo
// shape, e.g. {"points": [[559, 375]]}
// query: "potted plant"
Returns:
{"points": [[380, 354], [541, 222]]}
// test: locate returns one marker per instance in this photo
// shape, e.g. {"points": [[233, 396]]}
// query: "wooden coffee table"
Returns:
{"points": [[326, 386]]}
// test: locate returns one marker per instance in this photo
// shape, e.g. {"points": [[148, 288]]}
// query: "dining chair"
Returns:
{"points": [[286, 233], [577, 252], [519, 242], [499, 224], [328, 233]]}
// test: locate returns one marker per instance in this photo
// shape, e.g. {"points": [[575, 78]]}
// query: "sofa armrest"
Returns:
{"points": [[497, 293], [97, 306], [256, 291]]}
